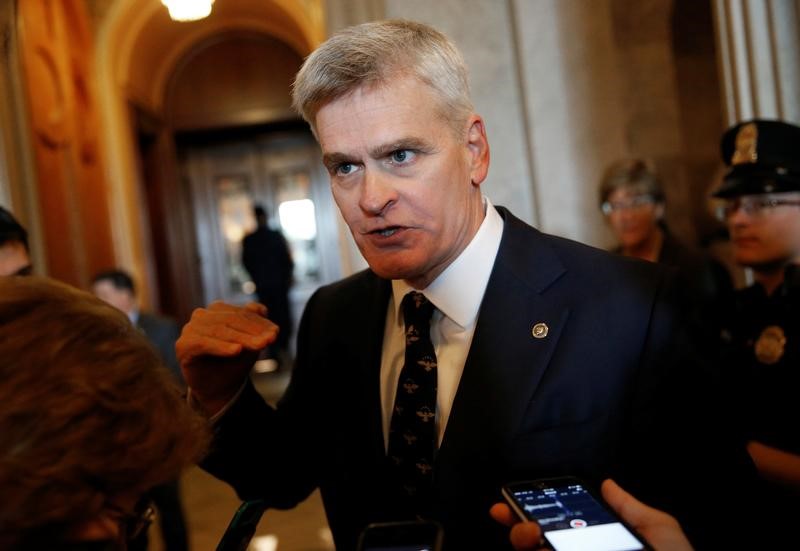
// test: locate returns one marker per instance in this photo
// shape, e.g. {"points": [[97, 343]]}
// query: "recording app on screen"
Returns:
{"points": [[572, 520]]}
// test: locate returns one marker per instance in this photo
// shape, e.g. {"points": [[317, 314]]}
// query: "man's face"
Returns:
{"points": [[14, 259], [765, 237], [405, 181], [121, 299]]}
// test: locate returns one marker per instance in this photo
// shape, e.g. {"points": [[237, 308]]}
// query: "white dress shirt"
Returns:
{"points": [[457, 294]]}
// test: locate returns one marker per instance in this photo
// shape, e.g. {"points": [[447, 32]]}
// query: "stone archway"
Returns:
{"points": [[137, 49]]}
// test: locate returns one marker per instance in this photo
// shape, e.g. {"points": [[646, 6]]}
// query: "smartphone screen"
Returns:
{"points": [[571, 518], [401, 536]]}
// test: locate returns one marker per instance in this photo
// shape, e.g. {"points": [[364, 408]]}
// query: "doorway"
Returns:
{"points": [[279, 169]]}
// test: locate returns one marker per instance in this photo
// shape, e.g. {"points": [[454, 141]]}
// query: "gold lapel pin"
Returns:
{"points": [[540, 330], [770, 345]]}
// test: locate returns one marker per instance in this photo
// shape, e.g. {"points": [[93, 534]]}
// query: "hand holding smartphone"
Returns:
{"points": [[571, 517]]}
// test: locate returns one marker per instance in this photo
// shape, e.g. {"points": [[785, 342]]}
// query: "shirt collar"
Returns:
{"points": [[458, 291]]}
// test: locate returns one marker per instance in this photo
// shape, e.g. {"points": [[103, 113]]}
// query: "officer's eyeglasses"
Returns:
{"points": [[634, 203], [754, 206], [132, 524]]}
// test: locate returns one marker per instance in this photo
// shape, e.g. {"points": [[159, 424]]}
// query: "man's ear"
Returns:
{"points": [[478, 147]]}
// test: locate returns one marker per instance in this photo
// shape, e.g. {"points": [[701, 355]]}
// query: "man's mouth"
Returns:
{"points": [[386, 232], [744, 241]]}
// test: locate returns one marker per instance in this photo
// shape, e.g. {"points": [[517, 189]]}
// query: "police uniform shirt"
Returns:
{"points": [[763, 333]]}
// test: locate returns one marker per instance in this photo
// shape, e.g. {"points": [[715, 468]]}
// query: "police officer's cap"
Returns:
{"points": [[763, 156]]}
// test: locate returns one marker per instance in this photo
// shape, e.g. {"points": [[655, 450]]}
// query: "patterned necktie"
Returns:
{"points": [[412, 432]]}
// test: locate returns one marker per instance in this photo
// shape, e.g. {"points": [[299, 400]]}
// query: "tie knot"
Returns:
{"points": [[417, 308]]}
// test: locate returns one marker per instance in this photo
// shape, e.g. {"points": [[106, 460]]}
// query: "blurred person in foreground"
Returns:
{"points": [[633, 202], [760, 197], [90, 420], [14, 254], [475, 351], [116, 287]]}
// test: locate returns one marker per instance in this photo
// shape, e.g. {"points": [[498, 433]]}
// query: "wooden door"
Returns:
{"points": [[57, 57], [284, 174]]}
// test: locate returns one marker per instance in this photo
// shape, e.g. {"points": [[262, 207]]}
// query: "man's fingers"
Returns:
{"points": [[628, 507], [249, 335], [252, 307], [621, 501], [503, 514], [256, 308], [223, 330], [241, 326], [188, 348], [526, 535]]}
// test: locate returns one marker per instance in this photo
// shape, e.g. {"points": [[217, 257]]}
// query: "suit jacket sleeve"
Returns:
{"points": [[267, 452]]}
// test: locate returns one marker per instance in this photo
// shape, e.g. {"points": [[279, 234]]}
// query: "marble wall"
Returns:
{"points": [[567, 86]]}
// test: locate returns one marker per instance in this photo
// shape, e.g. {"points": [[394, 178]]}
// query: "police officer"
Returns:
{"points": [[761, 206]]}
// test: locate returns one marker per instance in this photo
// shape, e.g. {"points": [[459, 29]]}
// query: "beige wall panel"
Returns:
{"points": [[482, 29], [56, 44]]}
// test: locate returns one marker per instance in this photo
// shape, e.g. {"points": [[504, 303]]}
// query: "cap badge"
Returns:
{"points": [[746, 145], [770, 345]]}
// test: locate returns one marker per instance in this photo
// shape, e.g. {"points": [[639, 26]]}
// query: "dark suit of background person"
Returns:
{"points": [[266, 257], [597, 397], [576, 365], [761, 329], [162, 333], [117, 288]]}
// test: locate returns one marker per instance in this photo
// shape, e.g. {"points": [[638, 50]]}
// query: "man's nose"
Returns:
{"points": [[738, 216], [377, 192]]}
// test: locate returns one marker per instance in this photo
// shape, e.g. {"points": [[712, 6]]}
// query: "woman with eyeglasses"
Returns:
{"points": [[89, 421], [632, 200]]}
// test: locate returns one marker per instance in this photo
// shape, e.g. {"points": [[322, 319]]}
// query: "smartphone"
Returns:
{"points": [[571, 517], [242, 526], [420, 535]]}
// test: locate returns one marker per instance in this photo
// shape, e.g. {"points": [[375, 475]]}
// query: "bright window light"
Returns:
{"points": [[297, 219]]}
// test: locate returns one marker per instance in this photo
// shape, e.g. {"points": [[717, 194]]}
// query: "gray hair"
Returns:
{"points": [[375, 53], [633, 174]]}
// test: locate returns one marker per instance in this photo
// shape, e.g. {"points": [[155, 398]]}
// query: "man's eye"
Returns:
{"points": [[344, 169], [402, 156]]}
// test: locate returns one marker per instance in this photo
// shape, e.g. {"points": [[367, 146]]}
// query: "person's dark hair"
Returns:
{"points": [[11, 230], [261, 216], [120, 279], [633, 174], [87, 412]]}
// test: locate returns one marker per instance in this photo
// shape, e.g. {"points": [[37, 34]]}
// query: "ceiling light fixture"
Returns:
{"points": [[188, 10]]}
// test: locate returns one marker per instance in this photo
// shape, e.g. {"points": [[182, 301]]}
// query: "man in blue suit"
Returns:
{"points": [[541, 356]]}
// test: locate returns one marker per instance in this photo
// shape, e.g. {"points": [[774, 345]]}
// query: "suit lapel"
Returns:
{"points": [[506, 362], [370, 347]]}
